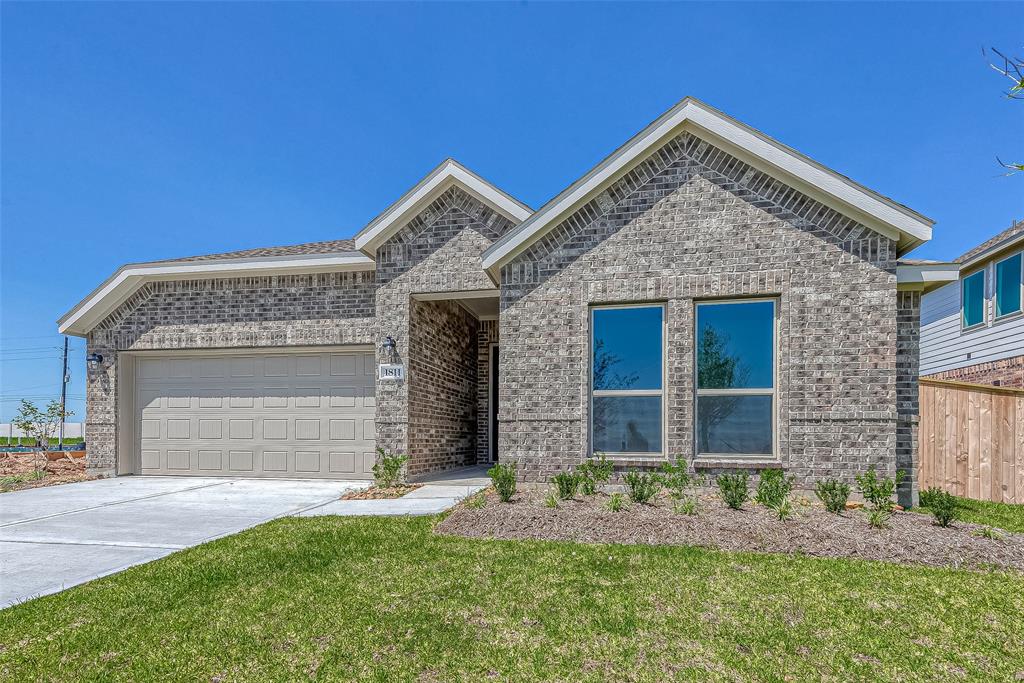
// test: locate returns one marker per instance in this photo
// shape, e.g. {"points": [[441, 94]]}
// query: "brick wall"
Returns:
{"points": [[487, 334], [692, 222], [1007, 372], [442, 377], [908, 364], [293, 310]]}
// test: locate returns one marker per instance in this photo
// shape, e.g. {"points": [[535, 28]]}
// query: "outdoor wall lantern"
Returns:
{"points": [[389, 347], [94, 360]]}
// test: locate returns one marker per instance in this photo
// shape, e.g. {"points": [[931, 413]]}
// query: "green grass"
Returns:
{"points": [[26, 441], [11, 480], [999, 515], [385, 599]]}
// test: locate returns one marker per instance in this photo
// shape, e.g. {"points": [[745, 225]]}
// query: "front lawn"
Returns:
{"points": [[386, 599], [998, 515]]}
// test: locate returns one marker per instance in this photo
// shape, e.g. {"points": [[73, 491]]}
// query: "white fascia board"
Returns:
{"points": [[128, 279], [770, 156], [438, 181], [926, 276]]}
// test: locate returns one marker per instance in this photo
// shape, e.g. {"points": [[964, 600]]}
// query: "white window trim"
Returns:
{"points": [[629, 392], [773, 392], [995, 287], [984, 300]]}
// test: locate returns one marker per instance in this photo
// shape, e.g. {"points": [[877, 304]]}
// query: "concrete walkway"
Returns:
{"points": [[56, 537]]}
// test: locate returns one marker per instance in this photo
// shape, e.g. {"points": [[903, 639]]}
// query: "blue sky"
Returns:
{"points": [[140, 131]]}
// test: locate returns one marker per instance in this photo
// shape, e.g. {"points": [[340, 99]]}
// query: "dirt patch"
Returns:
{"points": [[31, 470], [375, 493], [910, 538]]}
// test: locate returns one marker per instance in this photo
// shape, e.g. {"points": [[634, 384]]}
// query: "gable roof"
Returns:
{"points": [[311, 257], [449, 173], [1007, 238], [880, 213]]}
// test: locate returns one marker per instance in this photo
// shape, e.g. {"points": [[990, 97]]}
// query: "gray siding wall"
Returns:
{"points": [[692, 223], [945, 345]]}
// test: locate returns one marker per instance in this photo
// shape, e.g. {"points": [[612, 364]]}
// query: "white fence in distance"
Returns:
{"points": [[72, 430]]}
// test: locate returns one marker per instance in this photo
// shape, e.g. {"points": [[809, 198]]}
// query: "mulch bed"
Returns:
{"points": [[62, 471], [375, 493], [910, 538]]}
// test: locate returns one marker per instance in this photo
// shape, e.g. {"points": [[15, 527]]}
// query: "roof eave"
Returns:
{"points": [[925, 277]]}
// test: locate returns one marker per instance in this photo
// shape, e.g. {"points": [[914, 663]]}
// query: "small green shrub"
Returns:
{"points": [[676, 478], [504, 479], [879, 517], [594, 472], [389, 469], [551, 500], [567, 483], [773, 488], [477, 501], [784, 509], [878, 491], [734, 489], [686, 506], [641, 486], [617, 502], [943, 506], [833, 494], [989, 533]]}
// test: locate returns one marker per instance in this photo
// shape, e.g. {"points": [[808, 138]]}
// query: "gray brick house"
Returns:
{"points": [[703, 293]]}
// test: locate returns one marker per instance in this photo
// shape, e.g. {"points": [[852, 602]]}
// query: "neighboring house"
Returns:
{"points": [[704, 292], [972, 330]]}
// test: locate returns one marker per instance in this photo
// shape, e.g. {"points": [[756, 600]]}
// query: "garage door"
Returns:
{"points": [[264, 415]]}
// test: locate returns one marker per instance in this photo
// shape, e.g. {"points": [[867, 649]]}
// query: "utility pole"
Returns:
{"points": [[63, 396]]}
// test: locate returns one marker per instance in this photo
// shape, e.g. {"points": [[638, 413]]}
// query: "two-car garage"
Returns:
{"points": [[278, 413]]}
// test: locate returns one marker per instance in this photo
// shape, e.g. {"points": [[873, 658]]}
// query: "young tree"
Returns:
{"points": [[41, 426], [1013, 69]]}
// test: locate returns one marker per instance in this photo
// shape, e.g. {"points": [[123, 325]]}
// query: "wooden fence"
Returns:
{"points": [[971, 440]]}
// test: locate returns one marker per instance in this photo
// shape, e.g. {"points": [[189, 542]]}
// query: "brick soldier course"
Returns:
{"points": [[685, 220]]}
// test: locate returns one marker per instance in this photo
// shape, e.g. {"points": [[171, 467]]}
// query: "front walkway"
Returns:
{"points": [[56, 537]]}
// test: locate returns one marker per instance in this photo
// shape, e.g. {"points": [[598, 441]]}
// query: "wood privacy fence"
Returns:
{"points": [[971, 440]]}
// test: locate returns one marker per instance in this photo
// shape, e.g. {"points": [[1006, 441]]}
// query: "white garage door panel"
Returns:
{"points": [[276, 415]]}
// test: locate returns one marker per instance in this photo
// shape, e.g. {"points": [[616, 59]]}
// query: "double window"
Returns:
{"points": [[735, 368], [627, 379], [1007, 291]]}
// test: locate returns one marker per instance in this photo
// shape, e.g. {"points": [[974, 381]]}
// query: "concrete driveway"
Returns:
{"points": [[56, 537]]}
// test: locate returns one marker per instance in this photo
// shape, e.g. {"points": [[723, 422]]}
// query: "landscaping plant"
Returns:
{"points": [[773, 488], [504, 479], [567, 483], [594, 472], [685, 506], [734, 489], [40, 427], [878, 492], [943, 505], [989, 533], [641, 486], [833, 494], [389, 470], [783, 509], [551, 500], [617, 502], [676, 478], [477, 501]]}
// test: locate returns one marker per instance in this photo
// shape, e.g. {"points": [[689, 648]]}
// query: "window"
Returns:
{"points": [[1008, 285], [974, 299], [627, 396], [735, 361]]}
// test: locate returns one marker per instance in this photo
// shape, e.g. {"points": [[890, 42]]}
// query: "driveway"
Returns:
{"points": [[55, 537]]}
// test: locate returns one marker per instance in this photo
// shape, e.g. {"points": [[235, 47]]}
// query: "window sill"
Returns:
{"points": [[736, 463]]}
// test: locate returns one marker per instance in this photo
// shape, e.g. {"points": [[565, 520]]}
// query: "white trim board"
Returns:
{"points": [[128, 279], [448, 174], [885, 216], [926, 276]]}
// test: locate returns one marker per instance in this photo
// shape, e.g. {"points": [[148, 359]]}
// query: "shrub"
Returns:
{"points": [[686, 506], [784, 509], [388, 470], [943, 506], [878, 491], [617, 502], [567, 484], [593, 473], [676, 478], [504, 479], [477, 501], [989, 533], [833, 494], [773, 488], [641, 486], [551, 500], [879, 517], [734, 489]]}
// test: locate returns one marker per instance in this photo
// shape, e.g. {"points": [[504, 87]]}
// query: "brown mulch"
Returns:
{"points": [[375, 493], [63, 471], [910, 537]]}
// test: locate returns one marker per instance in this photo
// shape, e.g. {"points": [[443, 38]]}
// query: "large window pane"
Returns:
{"points": [[1008, 285], [627, 424], [627, 348], [734, 425], [735, 345], [974, 299]]}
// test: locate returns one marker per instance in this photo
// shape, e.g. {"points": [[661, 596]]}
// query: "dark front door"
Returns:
{"points": [[492, 440]]}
